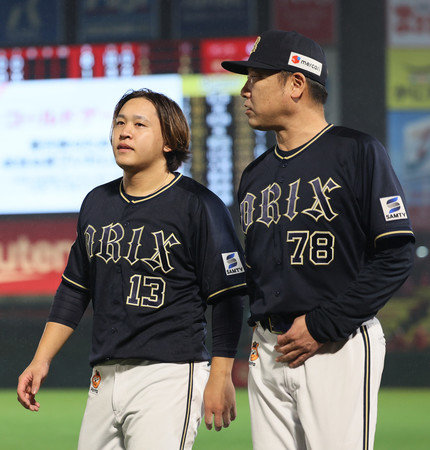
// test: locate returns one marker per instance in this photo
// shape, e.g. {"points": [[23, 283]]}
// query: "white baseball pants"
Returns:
{"points": [[328, 403], [148, 406]]}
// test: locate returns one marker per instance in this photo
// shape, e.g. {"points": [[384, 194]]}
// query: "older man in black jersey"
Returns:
{"points": [[327, 242]]}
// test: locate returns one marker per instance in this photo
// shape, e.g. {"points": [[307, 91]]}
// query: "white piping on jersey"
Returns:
{"points": [[226, 289], [143, 199], [305, 146], [394, 233], [73, 282]]}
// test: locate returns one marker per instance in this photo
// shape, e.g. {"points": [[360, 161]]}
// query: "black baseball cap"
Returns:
{"points": [[284, 50]]}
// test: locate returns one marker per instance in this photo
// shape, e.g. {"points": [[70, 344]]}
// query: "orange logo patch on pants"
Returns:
{"points": [[95, 381], [254, 352]]}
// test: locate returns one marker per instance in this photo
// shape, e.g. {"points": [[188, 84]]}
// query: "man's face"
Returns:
{"points": [[137, 140], [264, 94]]}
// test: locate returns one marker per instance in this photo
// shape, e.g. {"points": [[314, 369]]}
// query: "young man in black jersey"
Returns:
{"points": [[153, 249], [326, 210]]}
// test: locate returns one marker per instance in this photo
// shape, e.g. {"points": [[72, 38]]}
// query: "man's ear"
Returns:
{"points": [[298, 81]]}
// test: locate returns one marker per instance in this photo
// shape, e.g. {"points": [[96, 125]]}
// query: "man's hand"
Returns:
{"points": [[29, 384], [53, 338], [220, 395], [296, 345]]}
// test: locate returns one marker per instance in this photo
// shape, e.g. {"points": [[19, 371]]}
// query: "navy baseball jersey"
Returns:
{"points": [[309, 213], [150, 265]]}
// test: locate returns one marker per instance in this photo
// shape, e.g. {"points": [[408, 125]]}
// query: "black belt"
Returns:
{"points": [[275, 324]]}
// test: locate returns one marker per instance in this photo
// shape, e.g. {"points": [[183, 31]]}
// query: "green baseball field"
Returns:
{"points": [[403, 423]]}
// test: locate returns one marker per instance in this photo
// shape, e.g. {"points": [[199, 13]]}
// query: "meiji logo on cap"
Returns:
{"points": [[305, 63]]}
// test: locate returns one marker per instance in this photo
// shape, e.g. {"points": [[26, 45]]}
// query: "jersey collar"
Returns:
{"points": [[130, 199], [287, 155]]}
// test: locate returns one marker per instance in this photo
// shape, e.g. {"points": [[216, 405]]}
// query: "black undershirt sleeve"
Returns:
{"points": [[378, 280], [69, 305], [227, 314]]}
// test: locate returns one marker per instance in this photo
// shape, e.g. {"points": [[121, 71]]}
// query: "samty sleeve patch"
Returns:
{"points": [[393, 208], [232, 263]]}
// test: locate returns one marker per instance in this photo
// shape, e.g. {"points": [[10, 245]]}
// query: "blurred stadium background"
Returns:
{"points": [[65, 63]]}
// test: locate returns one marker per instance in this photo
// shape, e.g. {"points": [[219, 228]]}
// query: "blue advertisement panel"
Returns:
{"points": [[208, 18], [117, 20], [31, 22], [409, 145]]}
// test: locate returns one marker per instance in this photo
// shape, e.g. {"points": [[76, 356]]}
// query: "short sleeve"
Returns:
{"points": [[77, 271], [218, 252], [384, 207]]}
